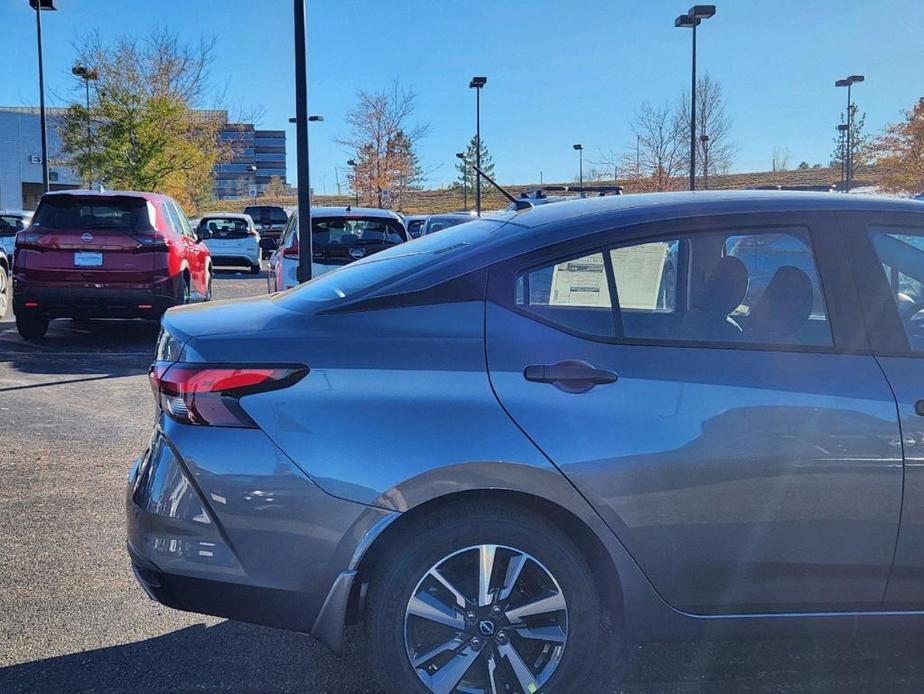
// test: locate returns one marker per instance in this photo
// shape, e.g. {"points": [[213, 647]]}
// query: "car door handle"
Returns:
{"points": [[571, 375]]}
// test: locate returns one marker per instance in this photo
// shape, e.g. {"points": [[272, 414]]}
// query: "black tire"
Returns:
{"points": [[31, 327], [442, 535], [4, 291], [255, 269]]}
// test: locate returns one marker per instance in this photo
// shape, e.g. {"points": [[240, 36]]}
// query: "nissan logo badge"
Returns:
{"points": [[357, 253], [87, 237]]}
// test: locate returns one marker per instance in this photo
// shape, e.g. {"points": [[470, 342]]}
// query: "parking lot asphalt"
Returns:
{"points": [[76, 409]]}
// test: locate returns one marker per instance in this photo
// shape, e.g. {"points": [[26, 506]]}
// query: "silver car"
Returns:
{"points": [[614, 439]]}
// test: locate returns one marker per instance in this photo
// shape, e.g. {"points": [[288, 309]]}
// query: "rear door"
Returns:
{"points": [[92, 240], [741, 444], [888, 260]]}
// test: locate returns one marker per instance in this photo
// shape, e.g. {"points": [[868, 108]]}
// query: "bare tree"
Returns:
{"points": [[715, 151], [781, 158], [382, 144], [658, 154]]}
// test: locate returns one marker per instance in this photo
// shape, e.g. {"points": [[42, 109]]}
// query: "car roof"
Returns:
{"points": [[318, 212], [701, 203], [108, 193], [226, 215], [452, 215]]}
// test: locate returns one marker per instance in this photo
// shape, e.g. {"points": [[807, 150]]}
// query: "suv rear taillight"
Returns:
{"points": [[209, 394]]}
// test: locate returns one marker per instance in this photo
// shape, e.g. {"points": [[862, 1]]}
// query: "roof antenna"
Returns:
{"points": [[519, 204]]}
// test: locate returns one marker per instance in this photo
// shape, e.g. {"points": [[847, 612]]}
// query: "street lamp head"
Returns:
{"points": [[853, 79], [704, 138], [685, 21], [478, 82], [85, 73], [842, 127], [842, 83], [702, 11], [42, 4], [578, 147], [460, 155], [351, 162], [315, 119]]}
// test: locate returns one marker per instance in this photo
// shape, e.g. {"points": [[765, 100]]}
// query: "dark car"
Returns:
{"points": [[270, 220], [438, 222], [89, 254], [602, 451]]}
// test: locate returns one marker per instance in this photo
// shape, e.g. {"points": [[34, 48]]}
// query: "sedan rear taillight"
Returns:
{"points": [[209, 394]]}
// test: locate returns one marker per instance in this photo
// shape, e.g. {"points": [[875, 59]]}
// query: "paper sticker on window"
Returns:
{"points": [[639, 271], [580, 282]]}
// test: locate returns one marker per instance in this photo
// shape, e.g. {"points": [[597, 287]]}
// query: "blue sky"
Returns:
{"points": [[558, 72]]}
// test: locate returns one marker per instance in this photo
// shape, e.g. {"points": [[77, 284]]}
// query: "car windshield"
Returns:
{"points": [[356, 231], [10, 224], [76, 212]]}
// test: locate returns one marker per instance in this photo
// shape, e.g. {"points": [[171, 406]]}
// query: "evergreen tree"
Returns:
{"points": [[465, 166]]}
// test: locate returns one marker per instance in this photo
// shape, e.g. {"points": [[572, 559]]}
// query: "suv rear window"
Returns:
{"points": [[352, 231], [72, 212], [267, 215]]}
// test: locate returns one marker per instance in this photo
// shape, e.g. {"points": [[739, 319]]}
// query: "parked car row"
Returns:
{"points": [[636, 418]]}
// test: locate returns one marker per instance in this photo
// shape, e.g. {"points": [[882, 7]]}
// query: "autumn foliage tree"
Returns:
{"points": [[899, 153], [145, 133], [382, 143]]}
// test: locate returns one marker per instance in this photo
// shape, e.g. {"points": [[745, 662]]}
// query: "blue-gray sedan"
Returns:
{"points": [[510, 446]]}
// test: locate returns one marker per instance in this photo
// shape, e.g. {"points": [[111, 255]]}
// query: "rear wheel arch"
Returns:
{"points": [[588, 543]]}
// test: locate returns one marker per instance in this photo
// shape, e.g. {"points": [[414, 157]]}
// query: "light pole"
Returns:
{"points": [[849, 82], [692, 19], [704, 139], [306, 253], [352, 162], [87, 75], [39, 6], [842, 128], [253, 172], [477, 83], [461, 155], [580, 151]]}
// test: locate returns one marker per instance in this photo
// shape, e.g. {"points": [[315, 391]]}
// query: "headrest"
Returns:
{"points": [[785, 304], [725, 289]]}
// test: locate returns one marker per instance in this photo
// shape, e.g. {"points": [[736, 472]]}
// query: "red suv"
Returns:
{"points": [[94, 254]]}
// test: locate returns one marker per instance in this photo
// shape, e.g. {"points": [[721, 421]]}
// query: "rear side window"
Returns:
{"points": [[572, 293], [78, 212], [758, 287], [901, 253]]}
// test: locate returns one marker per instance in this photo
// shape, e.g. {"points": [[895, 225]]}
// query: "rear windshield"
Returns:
{"points": [[224, 226], [389, 266], [267, 215], [72, 212], [10, 224], [353, 231]]}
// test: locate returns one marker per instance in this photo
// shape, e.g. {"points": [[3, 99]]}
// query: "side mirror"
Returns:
{"points": [[267, 244], [203, 234]]}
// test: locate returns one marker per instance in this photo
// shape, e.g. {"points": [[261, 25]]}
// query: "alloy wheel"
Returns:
{"points": [[487, 619]]}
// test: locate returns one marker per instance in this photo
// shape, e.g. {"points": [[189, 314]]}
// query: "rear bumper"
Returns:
{"points": [[232, 528], [64, 300]]}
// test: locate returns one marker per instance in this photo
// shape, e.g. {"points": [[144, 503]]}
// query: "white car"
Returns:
{"points": [[11, 223], [340, 235], [231, 238]]}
